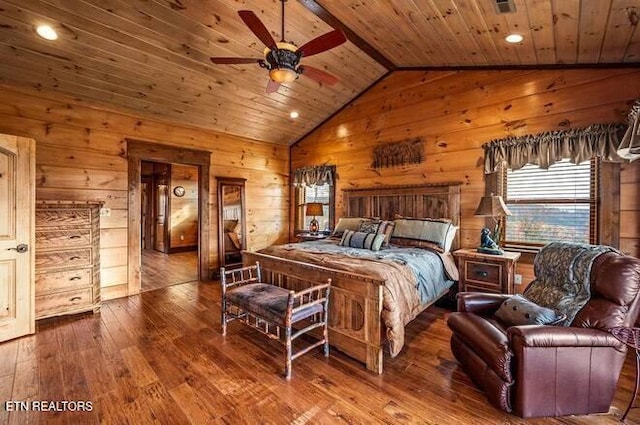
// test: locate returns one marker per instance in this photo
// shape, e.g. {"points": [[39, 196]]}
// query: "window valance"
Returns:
{"points": [[545, 149], [318, 175]]}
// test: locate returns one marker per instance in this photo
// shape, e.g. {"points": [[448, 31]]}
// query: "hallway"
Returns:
{"points": [[160, 270]]}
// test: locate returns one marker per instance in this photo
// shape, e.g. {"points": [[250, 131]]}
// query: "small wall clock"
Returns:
{"points": [[179, 191]]}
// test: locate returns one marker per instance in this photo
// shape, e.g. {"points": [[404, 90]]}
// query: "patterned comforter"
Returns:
{"points": [[413, 277]]}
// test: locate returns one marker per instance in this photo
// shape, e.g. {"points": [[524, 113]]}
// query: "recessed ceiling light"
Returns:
{"points": [[294, 114], [46, 32], [514, 38]]}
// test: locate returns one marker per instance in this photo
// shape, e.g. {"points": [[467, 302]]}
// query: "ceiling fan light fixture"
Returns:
{"points": [[294, 114], [514, 38], [283, 75]]}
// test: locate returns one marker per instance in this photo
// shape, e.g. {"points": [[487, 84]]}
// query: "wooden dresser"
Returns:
{"points": [[67, 258]]}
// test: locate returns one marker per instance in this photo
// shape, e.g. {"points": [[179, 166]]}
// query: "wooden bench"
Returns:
{"points": [[273, 310]]}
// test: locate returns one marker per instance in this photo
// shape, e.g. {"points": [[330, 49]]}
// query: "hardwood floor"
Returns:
{"points": [[160, 270], [159, 358]]}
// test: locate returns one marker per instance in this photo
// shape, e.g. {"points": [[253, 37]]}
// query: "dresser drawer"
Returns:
{"points": [[64, 280], [63, 217], [479, 287], [63, 301], [63, 238], [482, 272], [63, 258]]}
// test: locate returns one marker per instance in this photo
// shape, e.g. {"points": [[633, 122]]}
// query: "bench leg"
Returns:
{"points": [[223, 317], [288, 350], [325, 334]]}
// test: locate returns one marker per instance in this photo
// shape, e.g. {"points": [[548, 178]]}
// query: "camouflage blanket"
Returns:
{"points": [[563, 276]]}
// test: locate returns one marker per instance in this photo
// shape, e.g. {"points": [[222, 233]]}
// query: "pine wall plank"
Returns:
{"points": [[455, 113], [81, 155]]}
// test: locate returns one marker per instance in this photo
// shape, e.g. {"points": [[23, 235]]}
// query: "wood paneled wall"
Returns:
{"points": [[455, 112], [81, 155], [183, 220]]}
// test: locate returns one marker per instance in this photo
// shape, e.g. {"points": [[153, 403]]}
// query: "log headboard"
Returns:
{"points": [[440, 200]]}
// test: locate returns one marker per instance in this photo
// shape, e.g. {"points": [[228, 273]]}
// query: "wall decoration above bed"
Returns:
{"points": [[395, 154]]}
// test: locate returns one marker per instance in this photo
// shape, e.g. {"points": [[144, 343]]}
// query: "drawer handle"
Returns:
{"points": [[75, 237], [75, 278], [75, 257], [481, 273], [75, 299]]}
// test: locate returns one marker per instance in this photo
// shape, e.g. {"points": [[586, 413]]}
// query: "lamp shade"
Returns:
{"points": [[492, 206], [630, 146], [314, 209]]}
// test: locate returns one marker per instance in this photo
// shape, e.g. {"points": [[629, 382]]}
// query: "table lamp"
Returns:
{"points": [[314, 209], [491, 206]]}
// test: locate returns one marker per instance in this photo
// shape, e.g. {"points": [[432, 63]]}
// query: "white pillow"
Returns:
{"points": [[448, 240], [348, 223], [424, 229]]}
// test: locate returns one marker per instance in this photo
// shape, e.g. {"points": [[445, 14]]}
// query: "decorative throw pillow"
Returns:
{"points": [[346, 223], [371, 241], [423, 229], [386, 228], [369, 226], [517, 310]]}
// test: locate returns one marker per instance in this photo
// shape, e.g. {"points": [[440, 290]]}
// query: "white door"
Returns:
{"points": [[17, 217]]}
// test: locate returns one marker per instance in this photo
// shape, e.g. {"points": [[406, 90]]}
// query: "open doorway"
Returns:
{"points": [[168, 224], [145, 237]]}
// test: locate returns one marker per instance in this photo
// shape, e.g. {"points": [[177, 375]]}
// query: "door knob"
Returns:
{"points": [[21, 248]]}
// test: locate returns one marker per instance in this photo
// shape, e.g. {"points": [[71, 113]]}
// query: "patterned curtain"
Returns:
{"points": [[545, 149], [630, 146], [318, 175]]}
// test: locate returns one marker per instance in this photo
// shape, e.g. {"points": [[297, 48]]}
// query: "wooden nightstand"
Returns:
{"points": [[485, 272], [303, 237]]}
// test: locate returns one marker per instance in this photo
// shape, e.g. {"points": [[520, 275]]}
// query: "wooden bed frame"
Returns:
{"points": [[355, 326]]}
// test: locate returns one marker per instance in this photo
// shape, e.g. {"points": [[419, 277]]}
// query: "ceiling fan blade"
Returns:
{"points": [[257, 27], [231, 61], [318, 75], [272, 86], [322, 43]]}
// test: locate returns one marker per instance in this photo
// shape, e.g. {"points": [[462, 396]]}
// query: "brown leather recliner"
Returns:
{"points": [[542, 370]]}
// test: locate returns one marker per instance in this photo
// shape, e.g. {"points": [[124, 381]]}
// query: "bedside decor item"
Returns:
{"points": [[395, 154], [314, 209], [179, 191], [630, 146], [491, 206]]}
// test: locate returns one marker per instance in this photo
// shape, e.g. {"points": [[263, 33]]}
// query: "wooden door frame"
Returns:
{"points": [[138, 151]]}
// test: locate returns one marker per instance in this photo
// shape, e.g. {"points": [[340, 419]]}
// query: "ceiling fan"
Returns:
{"points": [[282, 59]]}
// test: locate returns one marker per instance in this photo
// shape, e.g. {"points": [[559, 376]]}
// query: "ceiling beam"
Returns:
{"points": [[335, 23]]}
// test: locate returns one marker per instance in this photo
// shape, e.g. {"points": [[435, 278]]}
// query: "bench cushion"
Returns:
{"points": [[268, 302]]}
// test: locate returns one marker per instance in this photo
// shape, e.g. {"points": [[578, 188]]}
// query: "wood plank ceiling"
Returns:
{"points": [[150, 58]]}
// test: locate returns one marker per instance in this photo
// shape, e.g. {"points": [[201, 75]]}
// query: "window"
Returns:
{"points": [[559, 203], [323, 194]]}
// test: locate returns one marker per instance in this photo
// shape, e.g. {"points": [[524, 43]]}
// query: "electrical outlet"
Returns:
{"points": [[105, 212], [517, 279]]}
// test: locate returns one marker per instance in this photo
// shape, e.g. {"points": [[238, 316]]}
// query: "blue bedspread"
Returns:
{"points": [[427, 266]]}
